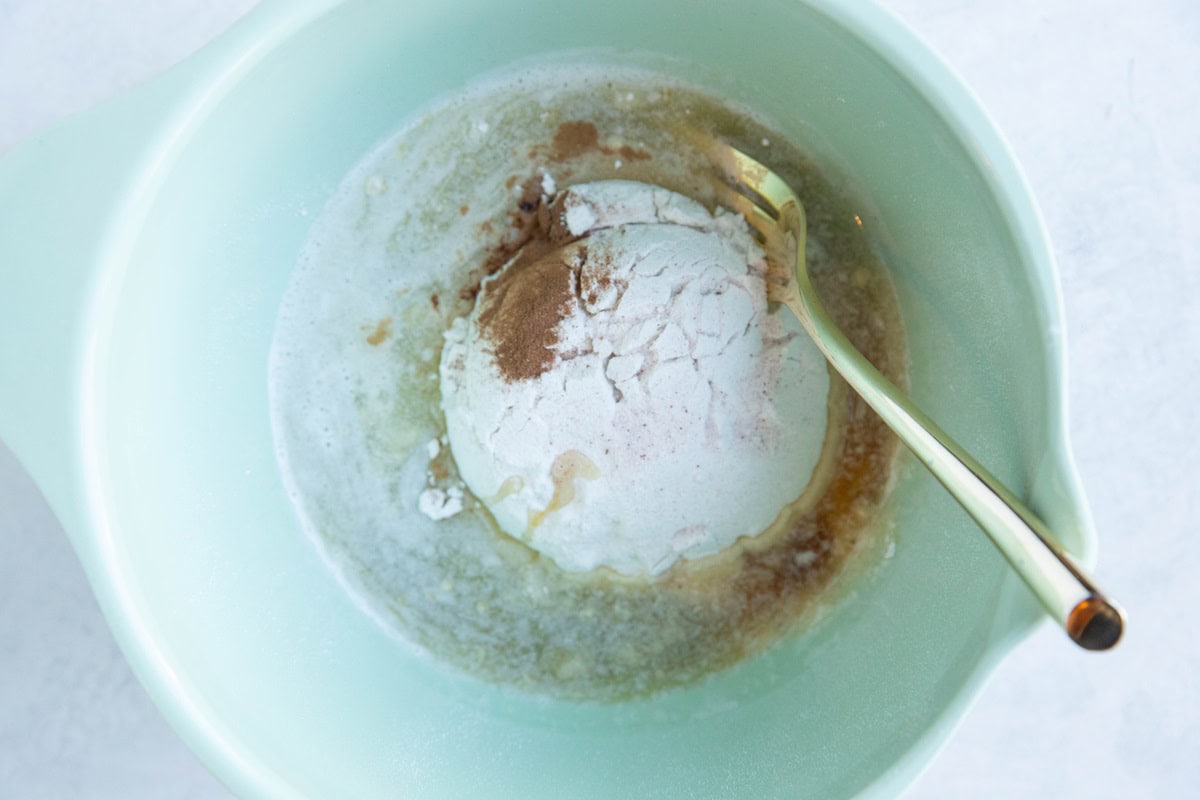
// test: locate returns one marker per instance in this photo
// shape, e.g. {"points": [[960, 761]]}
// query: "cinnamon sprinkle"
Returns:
{"points": [[573, 139], [627, 152], [522, 311], [523, 306], [578, 137]]}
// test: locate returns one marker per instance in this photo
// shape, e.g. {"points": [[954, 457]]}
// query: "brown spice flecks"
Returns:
{"points": [[552, 219], [463, 210], [434, 301], [531, 196], [595, 279], [523, 220], [628, 153], [521, 314], [381, 333], [574, 139], [522, 308], [497, 257]]}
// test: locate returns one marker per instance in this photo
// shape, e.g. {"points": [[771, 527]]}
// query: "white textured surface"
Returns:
{"points": [[1098, 101], [670, 335]]}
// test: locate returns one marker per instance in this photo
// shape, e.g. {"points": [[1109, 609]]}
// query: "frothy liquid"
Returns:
{"points": [[398, 254]]}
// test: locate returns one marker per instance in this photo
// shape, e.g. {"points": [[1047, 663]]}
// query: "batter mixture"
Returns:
{"points": [[534, 408]]}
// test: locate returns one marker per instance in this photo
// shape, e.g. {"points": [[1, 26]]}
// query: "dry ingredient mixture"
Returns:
{"points": [[357, 398], [626, 399]]}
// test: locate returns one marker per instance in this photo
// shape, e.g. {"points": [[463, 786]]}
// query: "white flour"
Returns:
{"points": [[700, 414]]}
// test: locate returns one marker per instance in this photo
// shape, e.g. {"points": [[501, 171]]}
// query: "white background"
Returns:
{"points": [[1100, 102]]}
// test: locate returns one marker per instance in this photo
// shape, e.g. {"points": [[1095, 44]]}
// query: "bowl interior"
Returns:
{"points": [[254, 626]]}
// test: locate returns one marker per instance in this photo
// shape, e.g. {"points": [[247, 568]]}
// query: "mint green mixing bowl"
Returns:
{"points": [[144, 248]]}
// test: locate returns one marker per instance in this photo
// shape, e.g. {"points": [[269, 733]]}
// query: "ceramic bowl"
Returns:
{"points": [[144, 250]]}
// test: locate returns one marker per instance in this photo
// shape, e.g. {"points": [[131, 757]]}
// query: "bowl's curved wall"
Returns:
{"points": [[230, 607]]}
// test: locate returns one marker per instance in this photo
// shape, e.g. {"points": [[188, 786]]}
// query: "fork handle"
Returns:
{"points": [[1092, 620]]}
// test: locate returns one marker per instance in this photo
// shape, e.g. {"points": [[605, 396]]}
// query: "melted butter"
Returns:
{"points": [[511, 485], [567, 466]]}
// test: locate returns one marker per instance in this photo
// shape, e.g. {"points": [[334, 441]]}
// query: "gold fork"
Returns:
{"points": [[776, 213]]}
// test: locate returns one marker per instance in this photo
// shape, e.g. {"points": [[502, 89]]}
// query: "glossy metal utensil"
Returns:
{"points": [[742, 184]]}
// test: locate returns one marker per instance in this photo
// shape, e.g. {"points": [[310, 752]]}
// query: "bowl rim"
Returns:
{"points": [[202, 82]]}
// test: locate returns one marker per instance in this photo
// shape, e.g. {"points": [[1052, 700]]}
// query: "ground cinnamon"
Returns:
{"points": [[521, 308], [521, 312], [577, 137], [573, 139]]}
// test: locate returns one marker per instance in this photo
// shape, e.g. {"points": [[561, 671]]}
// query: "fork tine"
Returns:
{"points": [[762, 181], [759, 218], [768, 205], [770, 234], [749, 187]]}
